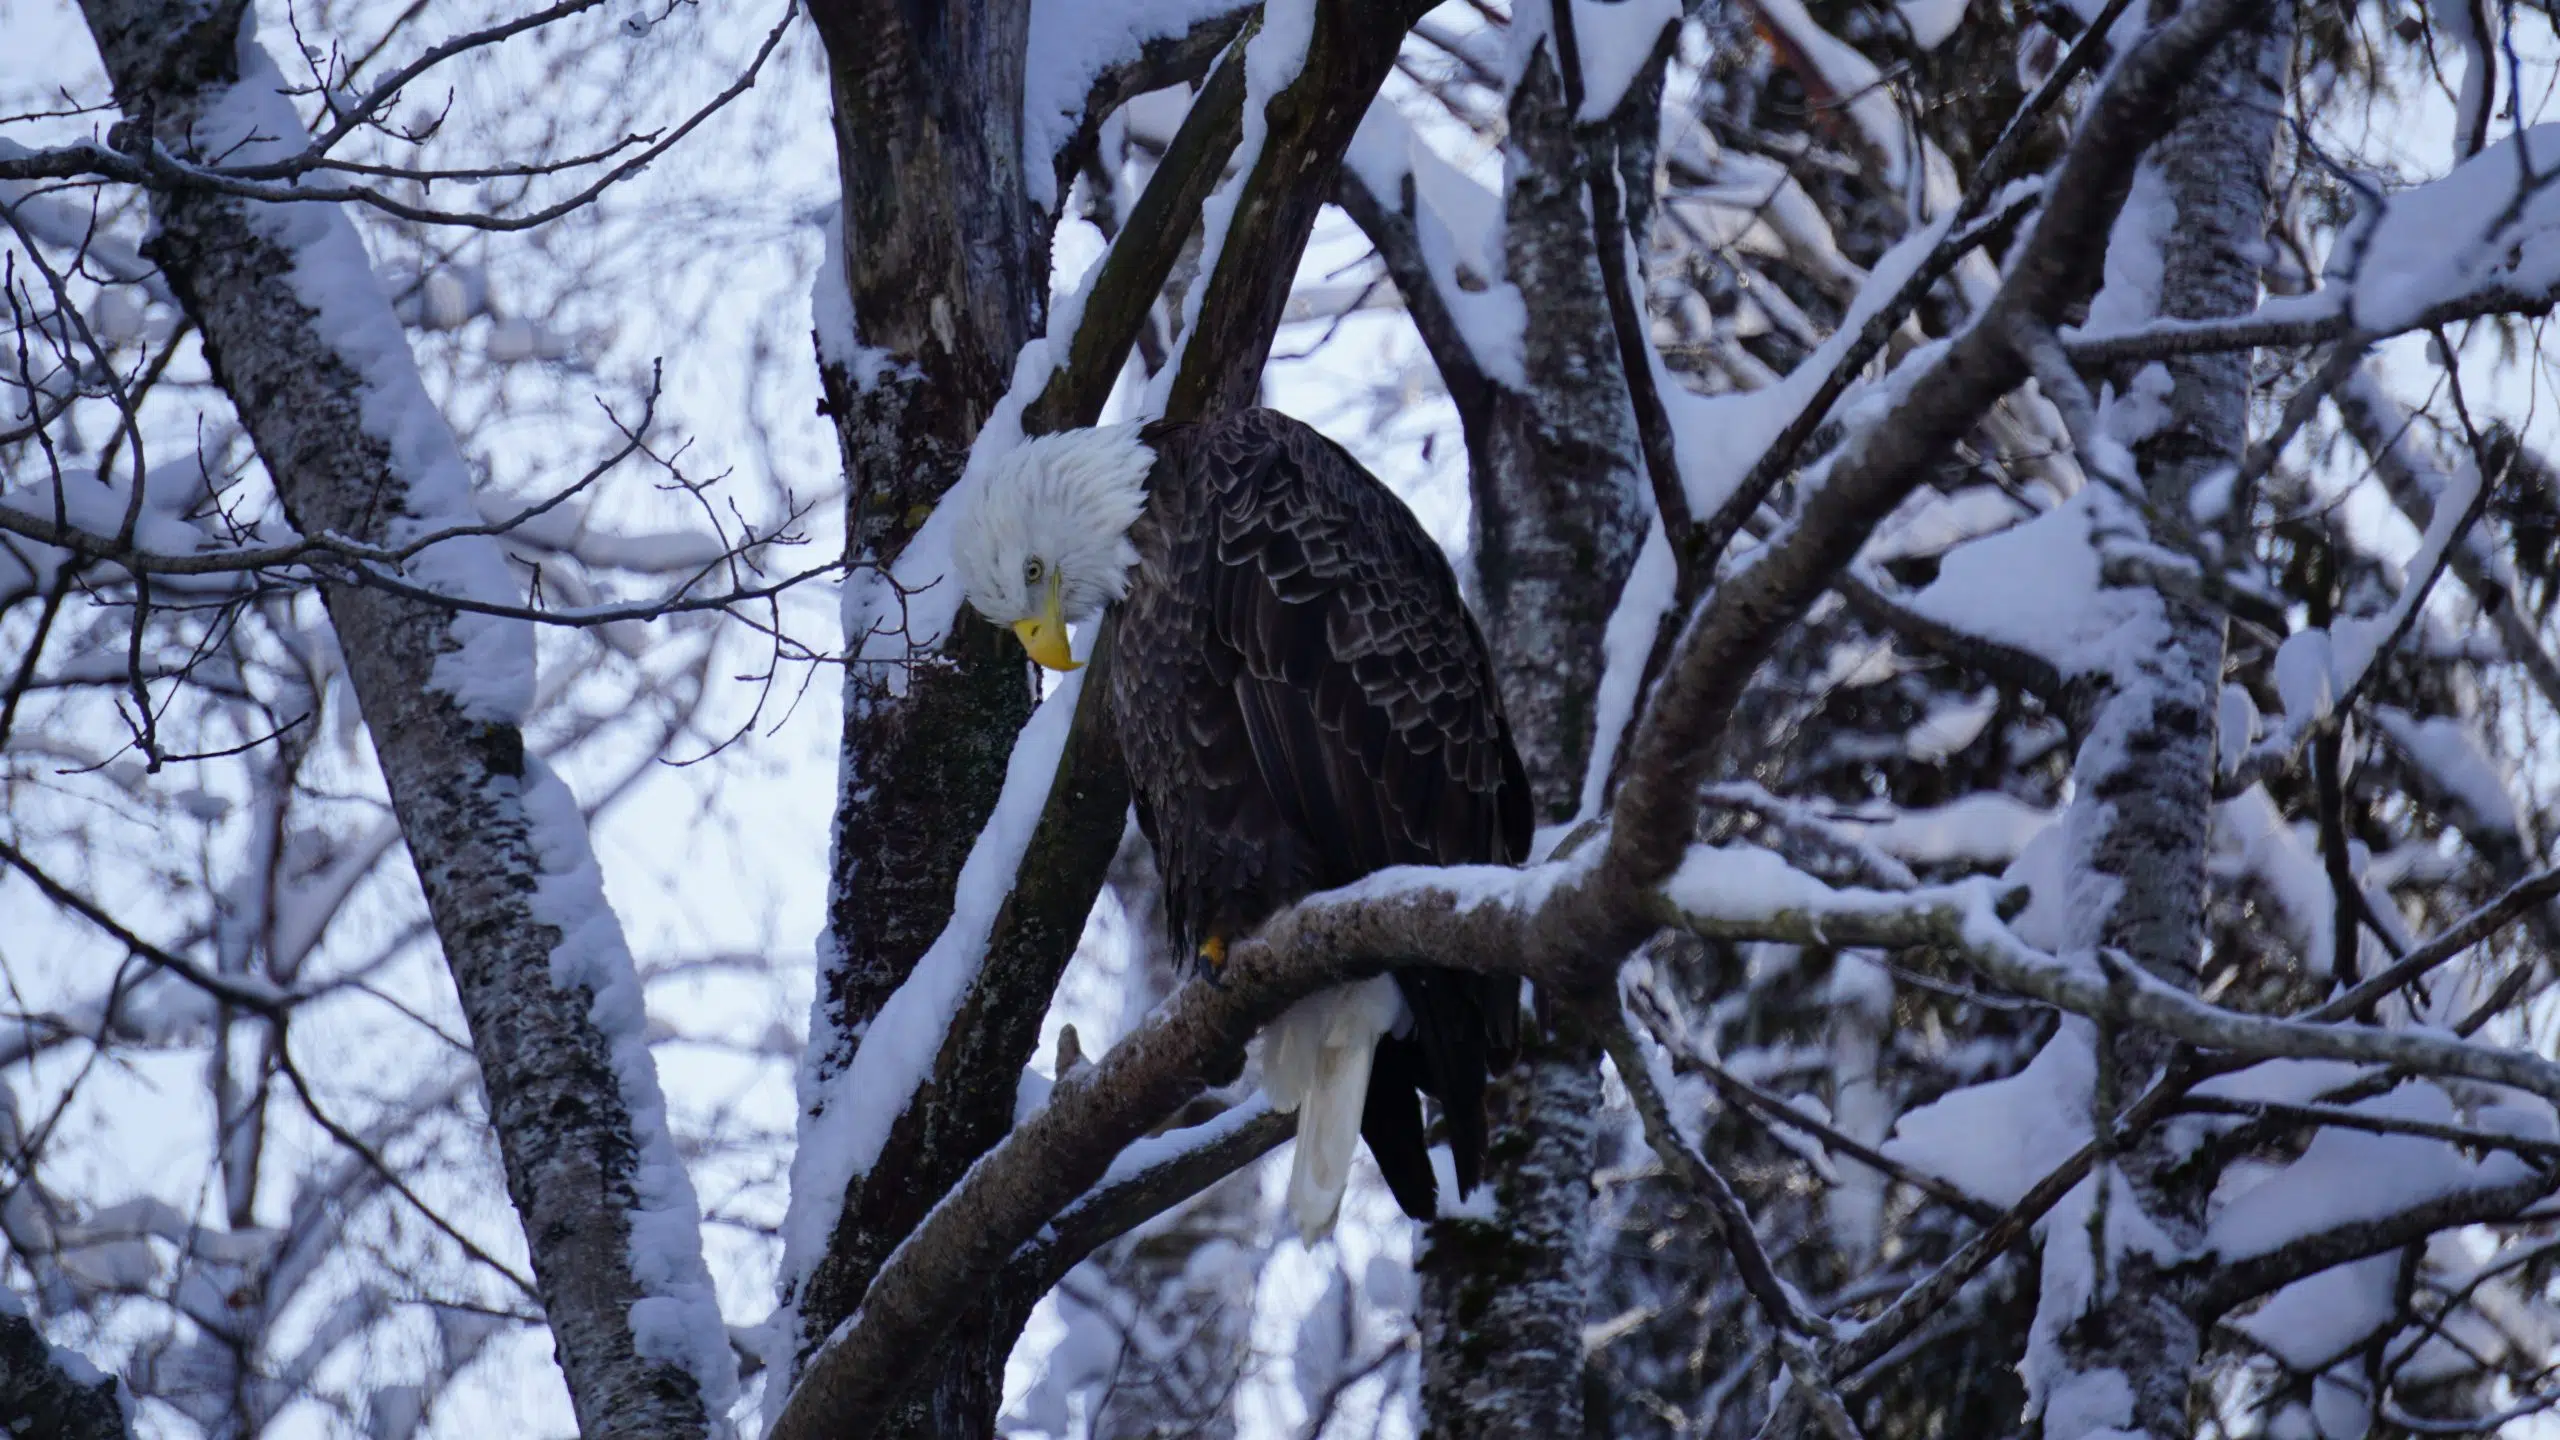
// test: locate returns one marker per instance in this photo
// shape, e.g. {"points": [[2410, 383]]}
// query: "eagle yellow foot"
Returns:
{"points": [[1211, 960]]}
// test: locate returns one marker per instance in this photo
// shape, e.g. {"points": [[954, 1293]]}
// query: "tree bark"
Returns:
{"points": [[944, 261], [2140, 827], [1559, 511], [458, 775]]}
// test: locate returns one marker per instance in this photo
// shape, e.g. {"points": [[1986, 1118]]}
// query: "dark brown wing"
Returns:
{"points": [[1341, 649]]}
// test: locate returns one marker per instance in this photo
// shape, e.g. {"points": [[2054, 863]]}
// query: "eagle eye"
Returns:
{"points": [[1032, 571]]}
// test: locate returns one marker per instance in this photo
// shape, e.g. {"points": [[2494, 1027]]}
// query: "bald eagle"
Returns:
{"points": [[1301, 699]]}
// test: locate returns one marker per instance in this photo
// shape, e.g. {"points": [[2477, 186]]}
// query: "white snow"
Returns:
{"points": [[1272, 60], [2036, 587], [1615, 41], [2130, 294], [2349, 1175], [2456, 763], [1931, 21], [2358, 641], [1985, 828], [1951, 725], [2315, 1320], [2251, 838], [2451, 237], [1744, 882], [846, 1118], [76, 228], [1625, 645], [1720, 437], [1997, 1139], [1854, 82], [1071, 43], [1459, 225], [1932, 523], [677, 1320], [831, 314], [2235, 726], [489, 671], [2306, 677]]}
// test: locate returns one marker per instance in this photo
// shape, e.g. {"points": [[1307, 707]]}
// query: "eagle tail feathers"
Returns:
{"points": [[1315, 1061]]}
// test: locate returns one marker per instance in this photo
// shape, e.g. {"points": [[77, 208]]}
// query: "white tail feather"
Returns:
{"points": [[1315, 1061]]}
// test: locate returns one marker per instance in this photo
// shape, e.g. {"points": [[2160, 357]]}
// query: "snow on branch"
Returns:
{"points": [[1083, 59], [2482, 240]]}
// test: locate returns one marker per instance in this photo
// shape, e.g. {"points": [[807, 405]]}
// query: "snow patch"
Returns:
{"points": [[489, 671], [846, 1118], [1071, 43], [1616, 40], [677, 1319], [2494, 222]]}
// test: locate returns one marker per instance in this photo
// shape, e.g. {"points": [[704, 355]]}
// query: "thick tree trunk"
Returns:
{"points": [[944, 264], [1559, 512], [2140, 825], [454, 763]]}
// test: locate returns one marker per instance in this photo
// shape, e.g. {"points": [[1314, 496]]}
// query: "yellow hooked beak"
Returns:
{"points": [[1044, 636]]}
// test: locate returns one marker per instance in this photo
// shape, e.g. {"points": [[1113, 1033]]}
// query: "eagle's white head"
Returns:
{"points": [[1044, 537]]}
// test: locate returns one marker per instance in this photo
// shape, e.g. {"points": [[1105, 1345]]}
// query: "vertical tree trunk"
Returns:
{"points": [[324, 401], [2140, 825], [944, 261], [1559, 514]]}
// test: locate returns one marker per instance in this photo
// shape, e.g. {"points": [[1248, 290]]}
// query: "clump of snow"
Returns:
{"points": [[1997, 1139], [2346, 1176], [2038, 587], [1931, 21], [2130, 293], [2235, 726], [677, 1319], [2494, 222], [1951, 725], [1615, 40], [1459, 225], [2358, 640], [1071, 43], [832, 319], [1985, 828], [2306, 678], [2252, 839], [2313, 1321], [846, 1118], [1932, 523], [489, 671], [1626, 643], [1743, 882], [2455, 764]]}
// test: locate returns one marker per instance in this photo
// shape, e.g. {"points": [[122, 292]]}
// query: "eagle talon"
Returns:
{"points": [[1210, 961]]}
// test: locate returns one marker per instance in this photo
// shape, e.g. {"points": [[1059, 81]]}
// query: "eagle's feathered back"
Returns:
{"points": [[1303, 699]]}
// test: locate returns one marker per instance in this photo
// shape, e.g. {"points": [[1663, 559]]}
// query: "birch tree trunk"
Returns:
{"points": [[1554, 473], [2142, 820], [346, 432]]}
